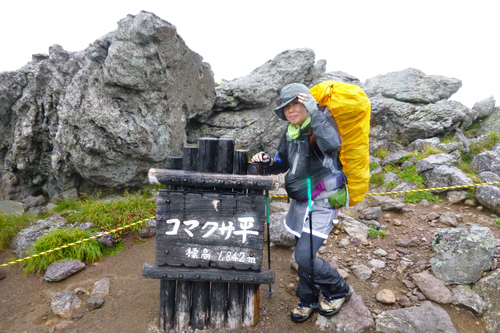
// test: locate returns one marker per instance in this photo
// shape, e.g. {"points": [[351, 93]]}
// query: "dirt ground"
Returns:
{"points": [[132, 305]]}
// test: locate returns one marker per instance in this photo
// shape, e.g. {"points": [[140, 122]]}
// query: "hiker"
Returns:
{"points": [[309, 139]]}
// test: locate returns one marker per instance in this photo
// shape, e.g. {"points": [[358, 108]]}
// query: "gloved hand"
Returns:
{"points": [[262, 157], [309, 102]]}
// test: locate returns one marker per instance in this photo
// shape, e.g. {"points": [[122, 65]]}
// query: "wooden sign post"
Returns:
{"points": [[209, 238]]}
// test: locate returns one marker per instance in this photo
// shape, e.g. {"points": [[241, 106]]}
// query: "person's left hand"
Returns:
{"points": [[309, 102]]}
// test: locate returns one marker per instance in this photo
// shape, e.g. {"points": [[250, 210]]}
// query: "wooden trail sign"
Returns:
{"points": [[209, 237], [206, 229]]}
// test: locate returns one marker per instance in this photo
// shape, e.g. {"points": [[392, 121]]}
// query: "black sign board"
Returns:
{"points": [[208, 229]]}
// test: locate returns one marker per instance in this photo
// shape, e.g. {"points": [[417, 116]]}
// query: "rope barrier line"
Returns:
{"points": [[409, 191], [272, 196], [75, 243], [434, 189]]}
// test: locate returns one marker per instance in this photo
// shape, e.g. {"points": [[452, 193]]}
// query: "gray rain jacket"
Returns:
{"points": [[293, 154]]}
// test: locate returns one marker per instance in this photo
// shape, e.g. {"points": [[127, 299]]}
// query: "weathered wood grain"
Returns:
{"points": [[154, 271], [191, 179]]}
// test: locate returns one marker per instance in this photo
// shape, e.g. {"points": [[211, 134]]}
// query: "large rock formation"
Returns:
{"points": [[103, 116]]}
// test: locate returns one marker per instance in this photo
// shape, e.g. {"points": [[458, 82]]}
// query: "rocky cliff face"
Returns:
{"points": [[101, 117]]}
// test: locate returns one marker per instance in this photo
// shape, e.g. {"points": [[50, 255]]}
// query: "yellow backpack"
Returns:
{"points": [[351, 110]]}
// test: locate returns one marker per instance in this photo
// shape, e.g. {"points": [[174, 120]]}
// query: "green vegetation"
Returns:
{"points": [[391, 184], [88, 252], [415, 197], [428, 151], [374, 233], [373, 166], [381, 153], [110, 214], [497, 222], [105, 214], [377, 178], [447, 139], [473, 130], [10, 225]]}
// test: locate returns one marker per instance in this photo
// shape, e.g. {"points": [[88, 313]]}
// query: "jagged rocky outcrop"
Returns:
{"points": [[103, 116]]}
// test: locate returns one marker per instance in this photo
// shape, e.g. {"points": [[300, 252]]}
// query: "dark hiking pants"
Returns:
{"points": [[325, 277]]}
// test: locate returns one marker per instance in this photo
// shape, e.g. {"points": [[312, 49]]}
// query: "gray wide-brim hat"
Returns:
{"points": [[289, 93]]}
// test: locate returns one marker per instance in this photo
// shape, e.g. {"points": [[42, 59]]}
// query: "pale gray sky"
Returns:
{"points": [[364, 38]]}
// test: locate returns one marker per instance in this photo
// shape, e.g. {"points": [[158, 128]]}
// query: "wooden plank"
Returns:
{"points": [[200, 305], [255, 168], [166, 318], [174, 162], [183, 305], [218, 304], [207, 154], [155, 271], [241, 162], [235, 305], [251, 304], [190, 158], [216, 180], [225, 155]]}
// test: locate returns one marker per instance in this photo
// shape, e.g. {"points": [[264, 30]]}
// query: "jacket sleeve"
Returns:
{"points": [[327, 135]]}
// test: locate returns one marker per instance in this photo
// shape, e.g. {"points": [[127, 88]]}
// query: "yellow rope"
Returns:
{"points": [[272, 196], [75, 243], [434, 189]]}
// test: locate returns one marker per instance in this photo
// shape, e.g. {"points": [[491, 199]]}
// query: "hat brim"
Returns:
{"points": [[280, 112]]}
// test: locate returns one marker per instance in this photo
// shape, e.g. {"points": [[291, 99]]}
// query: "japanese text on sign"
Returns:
{"points": [[245, 226]]}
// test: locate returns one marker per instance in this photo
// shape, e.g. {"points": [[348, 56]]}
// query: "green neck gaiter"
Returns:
{"points": [[294, 132]]}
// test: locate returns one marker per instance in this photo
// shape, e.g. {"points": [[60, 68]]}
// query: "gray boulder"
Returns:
{"points": [[489, 195], [485, 107], [244, 106], [421, 144], [101, 288], [385, 202], [26, 237], [352, 226], [445, 176], [103, 116], [10, 207], [59, 271], [413, 86], [63, 303], [465, 297], [371, 213], [407, 122], [277, 231], [432, 287], [94, 303], [432, 161], [488, 288], [492, 122], [427, 318], [487, 161], [148, 228], [462, 254]]}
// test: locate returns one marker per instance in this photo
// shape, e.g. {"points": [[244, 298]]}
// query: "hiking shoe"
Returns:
{"points": [[301, 313], [329, 307]]}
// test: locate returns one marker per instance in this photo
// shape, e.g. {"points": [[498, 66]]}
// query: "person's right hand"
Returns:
{"points": [[262, 157]]}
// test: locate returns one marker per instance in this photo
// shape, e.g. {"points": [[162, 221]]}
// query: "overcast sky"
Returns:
{"points": [[363, 38]]}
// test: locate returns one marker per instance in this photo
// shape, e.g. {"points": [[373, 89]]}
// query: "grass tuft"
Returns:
{"points": [[110, 214], [88, 251], [10, 225], [415, 197]]}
